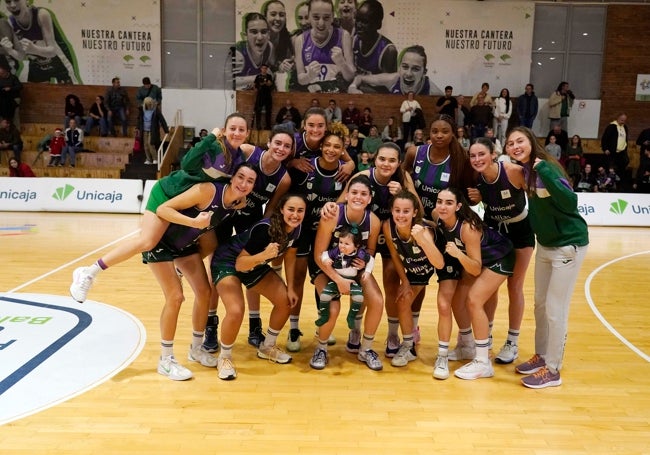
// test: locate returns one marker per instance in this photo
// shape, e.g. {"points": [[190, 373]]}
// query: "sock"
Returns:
{"points": [[166, 348], [97, 267], [322, 344], [482, 348], [408, 341], [271, 337], [197, 339], [293, 321], [366, 342], [513, 336], [393, 326], [212, 312], [416, 318], [443, 348], [226, 350], [466, 336]]}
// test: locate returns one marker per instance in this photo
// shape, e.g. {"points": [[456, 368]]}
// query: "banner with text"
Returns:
{"points": [[615, 209], [388, 46], [86, 42], [70, 195]]}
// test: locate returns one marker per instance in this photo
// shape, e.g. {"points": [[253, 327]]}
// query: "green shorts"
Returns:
{"points": [[156, 197], [505, 265], [223, 269]]}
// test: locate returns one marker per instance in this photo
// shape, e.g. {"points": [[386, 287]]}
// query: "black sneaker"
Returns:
{"points": [[211, 339], [293, 342], [256, 336]]}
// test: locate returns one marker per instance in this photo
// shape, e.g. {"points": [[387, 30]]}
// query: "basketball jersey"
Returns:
{"points": [[413, 258], [502, 200], [494, 246], [302, 149], [322, 53], [265, 184], [381, 197], [342, 221], [319, 187], [429, 178], [250, 68], [370, 62], [424, 90]]}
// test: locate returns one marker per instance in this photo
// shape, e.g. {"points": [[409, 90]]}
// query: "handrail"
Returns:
{"points": [[161, 149]]}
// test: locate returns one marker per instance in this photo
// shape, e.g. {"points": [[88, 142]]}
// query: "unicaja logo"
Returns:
{"points": [[63, 192], [618, 207]]}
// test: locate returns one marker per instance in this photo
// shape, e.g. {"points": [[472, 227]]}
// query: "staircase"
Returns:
{"points": [[136, 169]]}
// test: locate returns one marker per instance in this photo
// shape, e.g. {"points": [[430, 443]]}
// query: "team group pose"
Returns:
{"points": [[250, 209]]}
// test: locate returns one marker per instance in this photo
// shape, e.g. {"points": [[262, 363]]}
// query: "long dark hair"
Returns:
{"points": [[465, 213], [398, 176], [462, 174], [404, 194], [277, 232]]}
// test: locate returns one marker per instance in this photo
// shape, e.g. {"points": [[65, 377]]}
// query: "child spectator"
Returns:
{"points": [[553, 148], [342, 257], [74, 138], [364, 161], [57, 142]]}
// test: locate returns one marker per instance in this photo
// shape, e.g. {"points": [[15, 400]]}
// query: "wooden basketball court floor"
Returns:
{"points": [[603, 405]]}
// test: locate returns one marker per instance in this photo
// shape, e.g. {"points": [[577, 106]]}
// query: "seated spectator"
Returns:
{"points": [[586, 183], [289, 115], [10, 139], [372, 142], [56, 144], [418, 139], [561, 136], [392, 132], [73, 109], [553, 148], [97, 115], [364, 161], [196, 139], [365, 121], [463, 140], [498, 148], [333, 112], [18, 169], [607, 180], [74, 138], [356, 143], [351, 116]]}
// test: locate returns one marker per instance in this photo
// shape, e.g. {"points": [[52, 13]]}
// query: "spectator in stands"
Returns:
{"points": [[150, 121], [355, 145], [462, 113], [643, 142], [10, 88], [572, 157], [351, 116], [586, 183], [333, 112], [10, 139], [18, 169], [418, 139], [372, 142], [559, 105], [392, 132], [463, 140], [502, 112], [527, 106], [148, 90], [264, 84], [366, 121], [561, 136], [117, 101], [56, 144], [97, 115], [73, 109], [480, 117], [289, 115], [553, 148], [447, 104], [485, 87], [409, 120], [614, 145], [498, 147], [74, 143], [606, 180], [364, 161]]}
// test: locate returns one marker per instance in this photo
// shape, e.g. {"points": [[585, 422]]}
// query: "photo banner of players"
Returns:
{"points": [[84, 42], [389, 46]]}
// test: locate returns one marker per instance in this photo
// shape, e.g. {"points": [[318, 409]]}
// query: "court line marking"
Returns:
{"points": [[602, 319], [74, 261]]}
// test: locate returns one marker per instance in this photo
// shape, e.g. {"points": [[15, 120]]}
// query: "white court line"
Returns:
{"points": [[592, 305], [38, 278]]}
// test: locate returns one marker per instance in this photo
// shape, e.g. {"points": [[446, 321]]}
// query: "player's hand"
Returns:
{"points": [[202, 220], [474, 195]]}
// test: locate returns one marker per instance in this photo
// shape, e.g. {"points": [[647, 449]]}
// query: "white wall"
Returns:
{"points": [[198, 108], [583, 119]]}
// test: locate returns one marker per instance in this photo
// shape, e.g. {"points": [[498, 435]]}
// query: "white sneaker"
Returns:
{"points": [[293, 340], [474, 370], [147, 162], [441, 368], [81, 283], [404, 355], [200, 355], [508, 353], [173, 370], [226, 369], [462, 352], [273, 353]]}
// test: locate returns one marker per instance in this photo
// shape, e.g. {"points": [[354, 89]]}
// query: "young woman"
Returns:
{"points": [[216, 156], [415, 258], [502, 112], [487, 259], [253, 51], [562, 239], [189, 216], [502, 188], [244, 259], [354, 212], [373, 52], [324, 60], [573, 158], [320, 185], [346, 12], [276, 16]]}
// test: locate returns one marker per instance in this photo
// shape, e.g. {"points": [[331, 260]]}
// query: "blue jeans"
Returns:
{"points": [[69, 150], [121, 113], [103, 125]]}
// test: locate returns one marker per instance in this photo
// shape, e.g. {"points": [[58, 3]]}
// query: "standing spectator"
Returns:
{"points": [[10, 88], [351, 116], [10, 138], [462, 112], [150, 121], [561, 136], [614, 145], [73, 109], [559, 105], [18, 169], [148, 90], [392, 132], [485, 87], [573, 158], [117, 101], [447, 104], [502, 112], [289, 115], [97, 115], [409, 120], [74, 138], [553, 149], [527, 106], [333, 112], [264, 85], [366, 121], [57, 142], [480, 117]]}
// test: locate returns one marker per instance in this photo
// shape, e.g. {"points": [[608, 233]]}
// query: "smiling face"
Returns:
{"points": [[315, 126], [411, 72], [332, 149], [293, 212], [403, 212], [302, 17], [321, 19], [358, 196], [447, 206], [235, 132], [386, 163], [280, 146], [258, 36], [518, 147], [480, 157], [243, 181], [276, 16]]}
